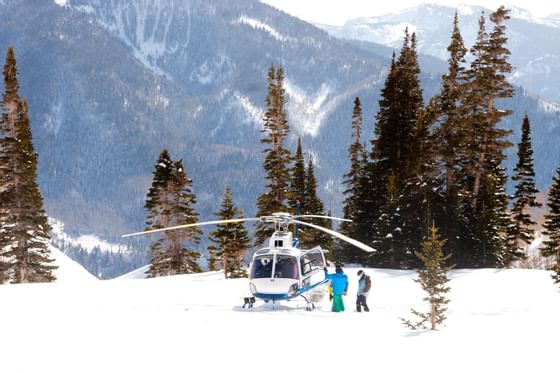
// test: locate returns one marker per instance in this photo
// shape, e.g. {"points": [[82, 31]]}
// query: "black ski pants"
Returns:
{"points": [[361, 302]]}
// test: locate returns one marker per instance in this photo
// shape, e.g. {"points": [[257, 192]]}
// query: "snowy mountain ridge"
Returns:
{"points": [[88, 242], [532, 40]]}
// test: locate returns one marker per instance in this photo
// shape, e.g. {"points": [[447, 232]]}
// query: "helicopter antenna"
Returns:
{"points": [[340, 236]]}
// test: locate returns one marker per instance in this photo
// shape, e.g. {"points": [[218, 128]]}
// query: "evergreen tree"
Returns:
{"points": [[170, 203], [433, 279], [277, 157], [398, 109], [157, 218], [24, 242], [297, 184], [450, 137], [488, 84], [353, 180], [492, 218], [394, 155], [313, 206], [231, 239], [551, 246], [484, 176], [522, 232]]}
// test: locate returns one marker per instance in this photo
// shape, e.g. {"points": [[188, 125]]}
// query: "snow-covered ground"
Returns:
{"points": [[498, 321]]}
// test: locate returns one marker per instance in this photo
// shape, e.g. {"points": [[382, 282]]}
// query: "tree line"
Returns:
{"points": [[429, 165], [434, 164]]}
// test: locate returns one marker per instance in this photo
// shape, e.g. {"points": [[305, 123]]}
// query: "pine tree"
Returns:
{"points": [[277, 157], [170, 203], [24, 242], [522, 232], [551, 246], [433, 280], [156, 210], [398, 109], [353, 181], [394, 154], [450, 138], [488, 84], [313, 206], [297, 182], [484, 177], [231, 240]]}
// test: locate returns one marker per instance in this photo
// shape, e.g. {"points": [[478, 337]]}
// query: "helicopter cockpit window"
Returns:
{"points": [[286, 267], [262, 267], [306, 264]]}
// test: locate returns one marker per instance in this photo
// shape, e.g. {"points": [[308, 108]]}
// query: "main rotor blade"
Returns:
{"points": [[322, 217], [189, 226], [354, 242]]}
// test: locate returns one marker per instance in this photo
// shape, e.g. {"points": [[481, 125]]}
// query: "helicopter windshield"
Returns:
{"points": [[286, 267], [262, 267]]}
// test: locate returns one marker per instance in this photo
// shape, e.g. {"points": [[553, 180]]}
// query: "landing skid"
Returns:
{"points": [[310, 306]]}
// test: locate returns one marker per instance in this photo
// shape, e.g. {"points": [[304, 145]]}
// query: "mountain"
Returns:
{"points": [[100, 258], [112, 83], [535, 54], [196, 322]]}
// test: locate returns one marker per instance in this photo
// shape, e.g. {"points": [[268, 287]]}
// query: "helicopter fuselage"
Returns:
{"points": [[282, 271]]}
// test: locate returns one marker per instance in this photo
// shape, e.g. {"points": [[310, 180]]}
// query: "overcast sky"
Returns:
{"points": [[336, 12]]}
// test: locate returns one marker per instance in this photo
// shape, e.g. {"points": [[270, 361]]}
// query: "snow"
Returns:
{"points": [[87, 242], [307, 113], [466, 10], [68, 270], [195, 322], [545, 105], [253, 113], [60, 2], [258, 25]]}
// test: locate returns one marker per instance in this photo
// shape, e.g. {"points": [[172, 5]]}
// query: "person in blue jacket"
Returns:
{"points": [[339, 283]]}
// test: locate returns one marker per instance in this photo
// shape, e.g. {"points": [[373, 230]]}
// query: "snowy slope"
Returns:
{"points": [[68, 270], [498, 320]]}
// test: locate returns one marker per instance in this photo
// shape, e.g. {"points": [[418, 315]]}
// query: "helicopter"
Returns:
{"points": [[281, 270]]}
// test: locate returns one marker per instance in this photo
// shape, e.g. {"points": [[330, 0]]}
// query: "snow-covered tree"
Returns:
{"points": [[551, 247], [24, 229]]}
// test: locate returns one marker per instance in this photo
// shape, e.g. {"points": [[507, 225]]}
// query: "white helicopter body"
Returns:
{"points": [[282, 271]]}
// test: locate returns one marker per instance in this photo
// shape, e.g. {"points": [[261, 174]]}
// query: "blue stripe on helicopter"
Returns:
{"points": [[285, 296]]}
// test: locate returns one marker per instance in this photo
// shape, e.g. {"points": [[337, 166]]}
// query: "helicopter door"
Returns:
{"points": [[311, 262]]}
